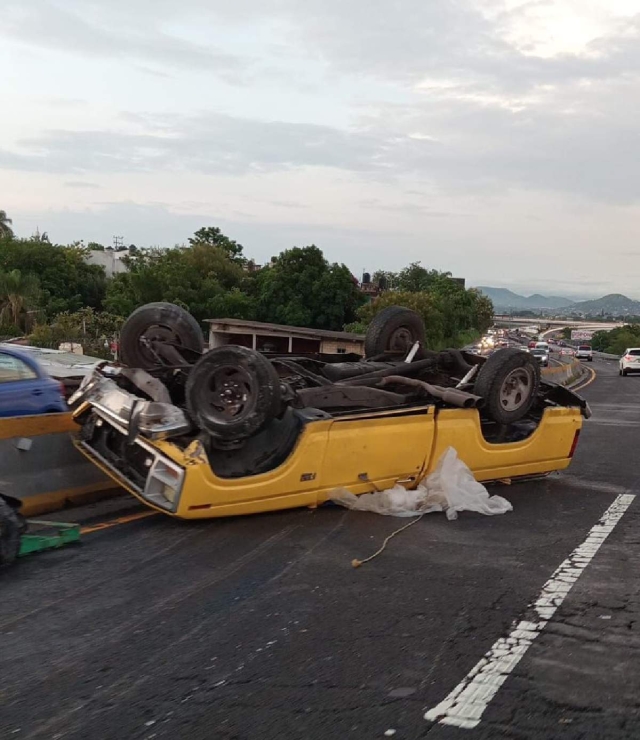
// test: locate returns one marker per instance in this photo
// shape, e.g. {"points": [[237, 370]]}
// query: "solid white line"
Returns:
{"points": [[466, 704]]}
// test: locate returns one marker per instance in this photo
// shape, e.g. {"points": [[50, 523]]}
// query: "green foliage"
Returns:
{"points": [[212, 279], [213, 237], [6, 232], [301, 288], [202, 278], [87, 327], [453, 316], [95, 247], [616, 341], [67, 282], [18, 293]]}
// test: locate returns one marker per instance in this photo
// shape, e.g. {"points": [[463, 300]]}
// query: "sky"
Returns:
{"points": [[495, 139]]}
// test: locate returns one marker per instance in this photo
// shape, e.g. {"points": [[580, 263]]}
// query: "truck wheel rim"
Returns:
{"points": [[401, 340], [516, 389], [231, 393], [156, 333]]}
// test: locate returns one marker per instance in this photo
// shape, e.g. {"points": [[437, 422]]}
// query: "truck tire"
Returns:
{"points": [[232, 393], [159, 321], [508, 382], [394, 329], [11, 528]]}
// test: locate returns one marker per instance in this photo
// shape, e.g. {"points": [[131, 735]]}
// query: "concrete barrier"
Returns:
{"points": [[565, 374], [40, 465]]}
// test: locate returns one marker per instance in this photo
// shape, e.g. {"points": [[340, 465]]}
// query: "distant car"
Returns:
{"points": [[584, 352], [630, 361], [25, 388], [542, 355], [532, 344], [567, 352]]}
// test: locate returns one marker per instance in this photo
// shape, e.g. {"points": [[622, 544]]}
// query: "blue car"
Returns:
{"points": [[25, 388]]}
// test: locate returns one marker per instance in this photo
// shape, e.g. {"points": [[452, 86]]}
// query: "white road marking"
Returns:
{"points": [[466, 704]]}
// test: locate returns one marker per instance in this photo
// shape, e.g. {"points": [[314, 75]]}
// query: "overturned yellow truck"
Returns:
{"points": [[197, 434]]}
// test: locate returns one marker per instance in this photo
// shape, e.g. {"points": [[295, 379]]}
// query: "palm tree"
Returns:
{"points": [[5, 230], [18, 293]]}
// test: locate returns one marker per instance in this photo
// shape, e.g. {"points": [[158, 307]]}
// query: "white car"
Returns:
{"points": [[630, 361], [542, 355], [584, 352]]}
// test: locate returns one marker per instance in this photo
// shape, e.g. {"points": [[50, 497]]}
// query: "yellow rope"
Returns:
{"points": [[357, 563]]}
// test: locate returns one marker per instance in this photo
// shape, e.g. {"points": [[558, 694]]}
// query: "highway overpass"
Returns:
{"points": [[501, 320]]}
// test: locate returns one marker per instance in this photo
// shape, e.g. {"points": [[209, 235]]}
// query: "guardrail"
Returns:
{"points": [[41, 466], [565, 374]]}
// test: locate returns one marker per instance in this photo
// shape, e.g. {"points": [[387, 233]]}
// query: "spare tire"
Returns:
{"points": [[508, 382], [233, 392], [11, 527], [160, 322], [395, 330]]}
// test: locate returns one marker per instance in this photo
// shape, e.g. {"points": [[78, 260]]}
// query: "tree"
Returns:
{"points": [[421, 302], [416, 278], [6, 232], [18, 292], [92, 329], [453, 315], [212, 236], [67, 281], [617, 340], [301, 288], [201, 278], [95, 247]]}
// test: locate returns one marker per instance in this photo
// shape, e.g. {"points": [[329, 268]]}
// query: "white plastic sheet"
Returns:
{"points": [[450, 488]]}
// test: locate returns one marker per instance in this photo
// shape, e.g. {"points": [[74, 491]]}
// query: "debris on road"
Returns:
{"points": [[450, 488]]}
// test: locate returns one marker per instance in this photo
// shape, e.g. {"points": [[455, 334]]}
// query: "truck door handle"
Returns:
{"points": [[37, 392]]}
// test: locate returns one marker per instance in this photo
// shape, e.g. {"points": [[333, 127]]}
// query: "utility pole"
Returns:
{"points": [[118, 241]]}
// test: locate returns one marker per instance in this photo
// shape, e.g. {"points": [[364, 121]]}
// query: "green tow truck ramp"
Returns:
{"points": [[20, 536], [44, 535]]}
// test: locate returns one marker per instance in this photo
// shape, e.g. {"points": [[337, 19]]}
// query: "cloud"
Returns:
{"points": [[80, 185], [206, 143], [577, 142], [49, 25]]}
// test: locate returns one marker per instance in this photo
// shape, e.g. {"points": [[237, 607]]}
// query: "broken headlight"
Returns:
{"points": [[164, 484]]}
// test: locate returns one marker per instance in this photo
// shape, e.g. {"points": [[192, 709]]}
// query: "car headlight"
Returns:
{"points": [[164, 484]]}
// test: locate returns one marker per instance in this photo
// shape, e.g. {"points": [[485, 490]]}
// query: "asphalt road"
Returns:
{"points": [[259, 627]]}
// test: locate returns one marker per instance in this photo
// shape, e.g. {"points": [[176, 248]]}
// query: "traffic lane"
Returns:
{"points": [[260, 626], [579, 679], [261, 622], [607, 452]]}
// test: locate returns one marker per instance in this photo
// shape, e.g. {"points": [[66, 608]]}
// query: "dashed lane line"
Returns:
{"points": [[466, 704]]}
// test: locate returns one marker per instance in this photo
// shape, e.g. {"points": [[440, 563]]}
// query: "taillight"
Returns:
{"points": [[628, 358], [63, 390], [576, 439]]}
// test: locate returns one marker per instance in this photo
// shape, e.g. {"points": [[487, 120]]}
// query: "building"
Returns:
{"points": [[283, 339], [109, 259]]}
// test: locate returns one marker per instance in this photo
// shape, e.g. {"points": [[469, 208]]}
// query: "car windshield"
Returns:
{"points": [[585, 348], [539, 352], [634, 352]]}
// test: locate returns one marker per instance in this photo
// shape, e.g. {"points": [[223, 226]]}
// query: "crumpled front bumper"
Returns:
{"points": [[154, 418]]}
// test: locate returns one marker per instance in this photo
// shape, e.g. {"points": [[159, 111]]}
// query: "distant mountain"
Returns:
{"points": [[504, 299], [614, 304]]}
